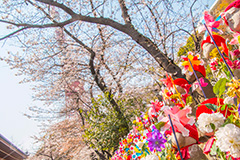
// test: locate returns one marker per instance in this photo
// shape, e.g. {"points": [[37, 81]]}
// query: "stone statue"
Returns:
{"points": [[232, 19], [208, 45], [232, 16]]}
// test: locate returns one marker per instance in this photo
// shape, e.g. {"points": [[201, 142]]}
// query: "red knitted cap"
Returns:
{"points": [[218, 39], [216, 101], [200, 69], [235, 4], [180, 81], [202, 109]]}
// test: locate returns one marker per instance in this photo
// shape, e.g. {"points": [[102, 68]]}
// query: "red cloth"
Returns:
{"points": [[185, 153], [216, 101], [192, 133], [200, 69]]}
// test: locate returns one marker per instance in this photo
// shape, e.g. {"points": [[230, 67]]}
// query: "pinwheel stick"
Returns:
{"points": [[174, 133], [197, 78], [219, 51]]}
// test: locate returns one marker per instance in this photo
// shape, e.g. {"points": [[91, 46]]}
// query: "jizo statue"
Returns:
{"points": [[232, 16], [208, 45]]}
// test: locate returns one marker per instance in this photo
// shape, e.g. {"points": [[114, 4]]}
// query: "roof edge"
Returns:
{"points": [[24, 155]]}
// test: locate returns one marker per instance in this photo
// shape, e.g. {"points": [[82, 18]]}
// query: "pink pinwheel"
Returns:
{"points": [[155, 106], [235, 39], [168, 81], [194, 60], [202, 83], [210, 23], [179, 119]]}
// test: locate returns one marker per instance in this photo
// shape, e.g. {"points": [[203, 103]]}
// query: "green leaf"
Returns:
{"points": [[220, 86], [223, 107], [159, 125], [212, 126], [189, 100], [211, 106], [237, 123], [230, 118]]}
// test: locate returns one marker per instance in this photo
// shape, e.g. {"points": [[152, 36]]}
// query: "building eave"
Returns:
{"points": [[10, 150]]}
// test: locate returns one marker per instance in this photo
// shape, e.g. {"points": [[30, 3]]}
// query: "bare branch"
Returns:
{"points": [[191, 12], [13, 33], [145, 21], [142, 40], [103, 50], [196, 41], [125, 14], [155, 20], [59, 5], [61, 24]]}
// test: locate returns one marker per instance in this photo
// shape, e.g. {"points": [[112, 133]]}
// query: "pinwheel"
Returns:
{"points": [[210, 23], [179, 119]]}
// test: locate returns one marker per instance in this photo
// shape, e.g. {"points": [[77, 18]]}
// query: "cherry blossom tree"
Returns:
{"points": [[75, 50]]}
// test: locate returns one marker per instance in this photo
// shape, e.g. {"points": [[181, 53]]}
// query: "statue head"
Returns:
{"points": [[207, 48], [181, 85], [232, 16], [208, 45]]}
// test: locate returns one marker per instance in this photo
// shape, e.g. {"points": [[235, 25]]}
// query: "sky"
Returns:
{"points": [[15, 99]]}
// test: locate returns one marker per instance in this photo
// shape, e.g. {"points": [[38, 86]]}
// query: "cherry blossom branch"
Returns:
{"points": [[139, 38], [97, 78], [103, 50], [142, 40], [59, 5], [146, 23]]}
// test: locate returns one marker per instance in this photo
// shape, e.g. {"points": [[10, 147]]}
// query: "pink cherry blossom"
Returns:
{"points": [[76, 86]]}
